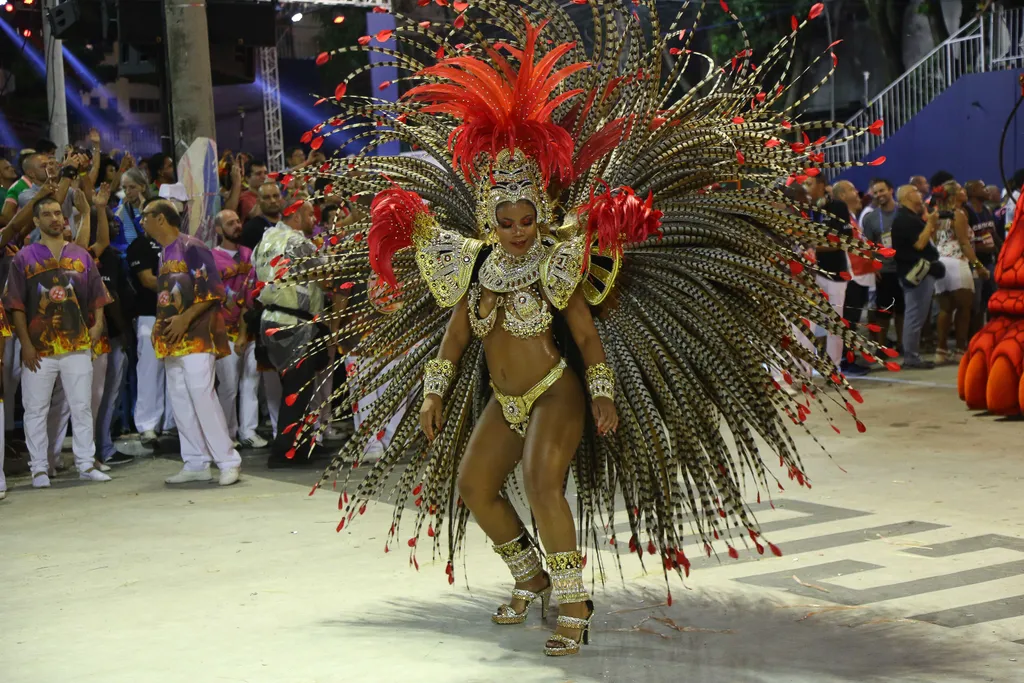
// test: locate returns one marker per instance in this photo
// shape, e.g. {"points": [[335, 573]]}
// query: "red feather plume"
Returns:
{"points": [[502, 108], [619, 218], [393, 214]]}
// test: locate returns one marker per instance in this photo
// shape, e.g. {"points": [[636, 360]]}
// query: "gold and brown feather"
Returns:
{"points": [[698, 319]]}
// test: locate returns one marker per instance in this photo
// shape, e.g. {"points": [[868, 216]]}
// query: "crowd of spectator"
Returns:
{"points": [[117, 321], [931, 295]]}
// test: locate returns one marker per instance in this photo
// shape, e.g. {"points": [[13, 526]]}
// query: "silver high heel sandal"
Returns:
{"points": [[523, 561], [566, 570]]}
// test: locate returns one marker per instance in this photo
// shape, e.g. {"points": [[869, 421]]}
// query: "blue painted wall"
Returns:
{"points": [[959, 132]]}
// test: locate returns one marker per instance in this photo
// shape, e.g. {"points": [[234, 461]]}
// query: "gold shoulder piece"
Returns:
{"points": [[561, 270], [600, 277], [445, 259]]}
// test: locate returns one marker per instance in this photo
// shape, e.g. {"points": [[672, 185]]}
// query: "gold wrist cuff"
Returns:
{"points": [[601, 381], [437, 376]]}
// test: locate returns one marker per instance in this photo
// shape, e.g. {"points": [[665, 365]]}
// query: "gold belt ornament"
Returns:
{"points": [[516, 409]]}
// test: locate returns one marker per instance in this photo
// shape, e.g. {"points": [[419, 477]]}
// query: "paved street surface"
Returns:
{"points": [[908, 566]]}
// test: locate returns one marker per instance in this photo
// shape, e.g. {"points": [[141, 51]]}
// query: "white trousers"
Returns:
{"points": [[365, 403], [74, 370], [202, 429], [107, 375], [836, 292], [12, 378], [152, 399], [272, 389], [237, 387], [57, 422]]}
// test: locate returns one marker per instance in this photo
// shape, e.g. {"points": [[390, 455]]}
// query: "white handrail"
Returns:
{"points": [[971, 49], [959, 36]]}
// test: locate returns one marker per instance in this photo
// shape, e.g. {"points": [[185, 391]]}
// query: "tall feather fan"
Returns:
{"points": [[699, 314]]}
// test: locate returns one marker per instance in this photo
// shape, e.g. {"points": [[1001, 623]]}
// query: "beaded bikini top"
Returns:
{"points": [[516, 280]]}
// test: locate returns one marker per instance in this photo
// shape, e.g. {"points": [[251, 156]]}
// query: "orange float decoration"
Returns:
{"points": [[992, 371]]}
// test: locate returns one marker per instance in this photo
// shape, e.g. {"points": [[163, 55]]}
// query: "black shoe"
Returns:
{"points": [[119, 459], [854, 370], [920, 365]]}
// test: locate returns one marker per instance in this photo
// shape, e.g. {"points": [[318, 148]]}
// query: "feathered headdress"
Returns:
{"points": [[504, 108]]}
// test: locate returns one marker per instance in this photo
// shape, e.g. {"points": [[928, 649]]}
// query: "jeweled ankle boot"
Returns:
{"points": [[523, 561], [566, 571]]}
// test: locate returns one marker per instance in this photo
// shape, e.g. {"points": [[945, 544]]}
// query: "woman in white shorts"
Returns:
{"points": [[955, 289]]}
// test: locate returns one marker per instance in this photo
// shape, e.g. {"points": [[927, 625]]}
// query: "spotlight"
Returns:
{"points": [[340, 19], [9, 7], [297, 17], [27, 33], [29, 2]]}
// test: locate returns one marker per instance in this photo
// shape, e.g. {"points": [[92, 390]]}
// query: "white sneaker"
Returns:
{"points": [[186, 476], [254, 441], [229, 476], [97, 464], [3, 494], [93, 474], [40, 480]]}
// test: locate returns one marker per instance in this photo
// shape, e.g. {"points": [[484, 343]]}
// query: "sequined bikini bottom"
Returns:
{"points": [[516, 409]]}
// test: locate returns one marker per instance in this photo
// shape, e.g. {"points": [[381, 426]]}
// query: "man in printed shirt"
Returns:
{"points": [[237, 377], [189, 335], [56, 299]]}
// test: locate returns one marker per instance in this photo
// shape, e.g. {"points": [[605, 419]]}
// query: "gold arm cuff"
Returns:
{"points": [[438, 376], [601, 381]]}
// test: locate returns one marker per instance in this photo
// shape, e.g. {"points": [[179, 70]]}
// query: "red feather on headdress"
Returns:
{"points": [[393, 217], [501, 108], [619, 218]]}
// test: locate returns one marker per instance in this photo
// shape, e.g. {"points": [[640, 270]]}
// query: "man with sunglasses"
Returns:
{"points": [[190, 335]]}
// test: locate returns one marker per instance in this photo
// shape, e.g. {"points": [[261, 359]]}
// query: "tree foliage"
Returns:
{"points": [[765, 22]]}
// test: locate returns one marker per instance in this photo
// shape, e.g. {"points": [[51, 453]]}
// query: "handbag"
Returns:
{"points": [[922, 269], [919, 272]]}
